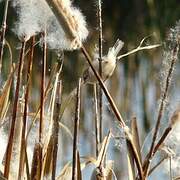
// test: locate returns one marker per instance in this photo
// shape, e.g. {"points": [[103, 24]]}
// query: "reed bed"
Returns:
{"points": [[34, 138]]}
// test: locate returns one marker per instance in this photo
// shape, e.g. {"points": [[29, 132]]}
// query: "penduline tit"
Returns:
{"points": [[108, 64]]}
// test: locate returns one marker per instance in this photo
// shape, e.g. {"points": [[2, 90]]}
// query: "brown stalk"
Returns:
{"points": [[3, 32], [103, 87], [161, 140], [79, 173], [47, 90], [133, 150], [96, 120], [76, 131], [14, 113], [36, 162], [43, 74], [116, 112], [56, 127], [100, 67], [161, 108], [23, 142]]}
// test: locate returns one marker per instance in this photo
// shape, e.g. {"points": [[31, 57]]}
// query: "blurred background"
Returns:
{"points": [[136, 83]]}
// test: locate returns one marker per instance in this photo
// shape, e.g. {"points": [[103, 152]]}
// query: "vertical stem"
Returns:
{"points": [[96, 120], [23, 143], [56, 126], [100, 66], [3, 32], [15, 107], [76, 131], [43, 74]]}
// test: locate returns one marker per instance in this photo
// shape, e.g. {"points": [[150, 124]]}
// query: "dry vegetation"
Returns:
{"points": [[22, 159]]}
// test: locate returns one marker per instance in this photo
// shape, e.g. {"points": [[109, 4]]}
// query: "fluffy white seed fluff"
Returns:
{"points": [[35, 15]]}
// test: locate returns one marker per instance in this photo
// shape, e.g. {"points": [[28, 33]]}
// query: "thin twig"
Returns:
{"points": [[76, 131], [139, 48], [3, 32], [15, 106]]}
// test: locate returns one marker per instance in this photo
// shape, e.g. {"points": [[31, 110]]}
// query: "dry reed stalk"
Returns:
{"points": [[3, 32], [116, 112], [23, 141], [51, 150], [4, 97], [174, 56], [132, 148], [76, 131], [96, 120], [56, 126], [47, 90], [36, 162], [16, 143], [43, 75], [79, 173], [106, 92], [99, 12], [14, 113], [135, 139]]}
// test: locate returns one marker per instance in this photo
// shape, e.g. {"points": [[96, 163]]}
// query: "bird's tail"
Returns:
{"points": [[116, 48]]}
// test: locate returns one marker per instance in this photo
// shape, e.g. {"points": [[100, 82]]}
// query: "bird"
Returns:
{"points": [[108, 67], [108, 64]]}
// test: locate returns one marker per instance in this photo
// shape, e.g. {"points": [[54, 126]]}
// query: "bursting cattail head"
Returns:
{"points": [[36, 15]]}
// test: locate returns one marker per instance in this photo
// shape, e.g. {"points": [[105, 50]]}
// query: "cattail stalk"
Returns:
{"points": [[56, 127], [14, 113]]}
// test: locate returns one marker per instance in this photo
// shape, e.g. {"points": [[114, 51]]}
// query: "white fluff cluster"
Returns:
{"points": [[35, 15]]}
